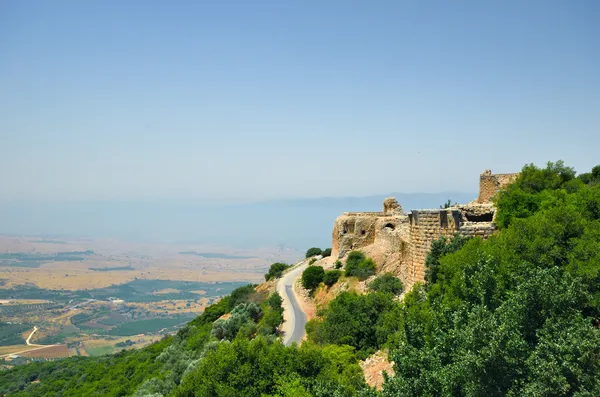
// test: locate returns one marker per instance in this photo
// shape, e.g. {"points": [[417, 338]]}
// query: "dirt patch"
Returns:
{"points": [[374, 367]]}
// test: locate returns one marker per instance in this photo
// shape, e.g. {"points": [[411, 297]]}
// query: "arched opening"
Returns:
{"points": [[389, 226], [363, 232]]}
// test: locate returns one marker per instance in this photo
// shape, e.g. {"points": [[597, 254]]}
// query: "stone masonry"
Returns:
{"points": [[402, 240]]}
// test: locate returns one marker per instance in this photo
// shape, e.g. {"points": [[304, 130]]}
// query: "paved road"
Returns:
{"points": [[293, 315]]}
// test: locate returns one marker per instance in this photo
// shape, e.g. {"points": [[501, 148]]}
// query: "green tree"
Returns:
{"points": [[331, 277], [312, 277], [353, 319], [387, 283], [276, 270], [358, 265], [313, 251], [439, 248]]}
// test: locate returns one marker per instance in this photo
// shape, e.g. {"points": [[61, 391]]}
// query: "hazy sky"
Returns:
{"points": [[267, 99]]}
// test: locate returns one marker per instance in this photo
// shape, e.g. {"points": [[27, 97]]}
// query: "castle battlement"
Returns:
{"points": [[403, 240]]}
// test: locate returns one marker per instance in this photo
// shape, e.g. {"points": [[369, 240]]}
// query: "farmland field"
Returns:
{"points": [[10, 334], [147, 326], [50, 352], [99, 350], [85, 296]]}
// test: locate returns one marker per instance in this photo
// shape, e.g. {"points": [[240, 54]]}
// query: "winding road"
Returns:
{"points": [[30, 335], [293, 315]]}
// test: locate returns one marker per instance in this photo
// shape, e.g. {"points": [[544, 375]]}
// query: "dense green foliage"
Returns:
{"points": [[388, 283], [195, 363], [357, 265], [276, 270], [258, 368], [331, 277], [355, 320], [326, 252], [313, 251], [517, 314], [439, 248], [312, 277]]}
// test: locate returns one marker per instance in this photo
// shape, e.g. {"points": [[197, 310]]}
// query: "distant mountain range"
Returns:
{"points": [[298, 223]]}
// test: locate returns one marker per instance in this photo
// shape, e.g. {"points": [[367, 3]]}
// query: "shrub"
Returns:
{"points": [[355, 320], [313, 251], [331, 277], [243, 318], [276, 270], [312, 277], [326, 252], [387, 282], [354, 258], [359, 266], [338, 264], [313, 260], [272, 317]]}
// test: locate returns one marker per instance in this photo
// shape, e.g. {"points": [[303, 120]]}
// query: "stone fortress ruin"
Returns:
{"points": [[399, 241]]}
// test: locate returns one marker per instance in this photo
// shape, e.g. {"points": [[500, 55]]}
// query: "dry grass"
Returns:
{"points": [[15, 348], [160, 262]]}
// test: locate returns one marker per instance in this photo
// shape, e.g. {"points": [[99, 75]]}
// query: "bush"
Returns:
{"points": [[338, 264], [276, 270], [243, 318], [387, 282], [326, 252], [354, 258], [313, 251], [331, 277], [355, 320], [312, 277], [313, 260], [358, 265]]}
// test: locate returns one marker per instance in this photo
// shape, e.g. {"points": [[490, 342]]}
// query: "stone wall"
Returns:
{"points": [[400, 242], [425, 227], [490, 184]]}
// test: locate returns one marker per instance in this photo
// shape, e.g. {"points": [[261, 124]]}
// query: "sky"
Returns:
{"points": [[105, 100]]}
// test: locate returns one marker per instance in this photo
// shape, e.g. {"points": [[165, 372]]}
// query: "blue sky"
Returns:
{"points": [[274, 99]]}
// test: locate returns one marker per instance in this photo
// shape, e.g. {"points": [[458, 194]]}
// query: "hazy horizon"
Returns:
{"points": [[297, 223]]}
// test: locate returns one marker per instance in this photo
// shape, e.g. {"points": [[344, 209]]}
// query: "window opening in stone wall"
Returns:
{"points": [[363, 232], [487, 217], [348, 227], [443, 219]]}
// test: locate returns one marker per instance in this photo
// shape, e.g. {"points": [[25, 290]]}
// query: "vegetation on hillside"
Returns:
{"points": [[318, 251], [276, 270], [387, 282], [358, 265], [515, 315], [312, 276]]}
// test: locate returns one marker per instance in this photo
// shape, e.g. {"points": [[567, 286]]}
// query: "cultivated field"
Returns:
{"points": [[132, 261], [50, 352]]}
